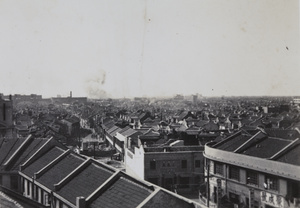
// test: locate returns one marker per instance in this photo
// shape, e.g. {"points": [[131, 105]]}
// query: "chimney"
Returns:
{"points": [[10, 97], [80, 202], [70, 94]]}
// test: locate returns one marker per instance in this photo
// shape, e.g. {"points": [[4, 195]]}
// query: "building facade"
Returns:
{"points": [[179, 169], [253, 171]]}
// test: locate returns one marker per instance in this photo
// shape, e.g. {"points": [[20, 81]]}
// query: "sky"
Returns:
{"points": [[133, 48]]}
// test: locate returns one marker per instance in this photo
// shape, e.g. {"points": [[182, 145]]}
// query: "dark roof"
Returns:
{"points": [[8, 147], [108, 125], [42, 161], [32, 147], [266, 148], [282, 133], [165, 199], [263, 146], [85, 182], [123, 193], [234, 143], [292, 156], [112, 129], [60, 170]]}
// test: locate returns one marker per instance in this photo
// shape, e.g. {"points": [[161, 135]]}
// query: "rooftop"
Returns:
{"points": [[122, 194], [85, 182], [60, 170]]}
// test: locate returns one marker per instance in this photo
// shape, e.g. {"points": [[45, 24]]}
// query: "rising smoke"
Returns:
{"points": [[95, 84]]}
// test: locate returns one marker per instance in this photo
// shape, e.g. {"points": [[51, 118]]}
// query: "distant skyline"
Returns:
{"points": [[150, 48]]}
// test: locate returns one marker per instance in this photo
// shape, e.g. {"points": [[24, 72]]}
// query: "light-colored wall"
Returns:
{"points": [[134, 163]]}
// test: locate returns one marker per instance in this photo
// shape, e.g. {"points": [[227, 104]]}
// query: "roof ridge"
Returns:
{"points": [[13, 156], [29, 160], [283, 150], [10, 149], [65, 180], [51, 164]]}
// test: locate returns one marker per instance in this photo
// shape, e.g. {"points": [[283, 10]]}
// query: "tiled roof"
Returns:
{"points": [[32, 147], [234, 143], [114, 131], [85, 182], [60, 170], [266, 148], [292, 156], [282, 133], [122, 194], [42, 161], [108, 125], [113, 128], [124, 129], [165, 199], [128, 132], [8, 147]]}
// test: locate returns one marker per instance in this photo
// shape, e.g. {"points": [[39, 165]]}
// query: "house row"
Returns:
{"points": [[257, 169], [50, 175]]}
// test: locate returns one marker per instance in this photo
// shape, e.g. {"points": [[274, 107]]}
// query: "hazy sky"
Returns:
{"points": [[149, 47]]}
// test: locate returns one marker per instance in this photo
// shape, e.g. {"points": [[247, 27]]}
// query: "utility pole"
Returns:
{"points": [[207, 184]]}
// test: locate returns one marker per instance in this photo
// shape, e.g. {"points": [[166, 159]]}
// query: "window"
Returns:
{"points": [[271, 182], [152, 165], [234, 173], [184, 164], [252, 178], [218, 168], [197, 163]]}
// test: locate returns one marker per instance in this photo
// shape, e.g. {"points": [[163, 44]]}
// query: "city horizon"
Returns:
{"points": [[140, 48], [199, 96]]}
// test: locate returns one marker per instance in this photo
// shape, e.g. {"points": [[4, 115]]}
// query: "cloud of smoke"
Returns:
{"points": [[94, 85]]}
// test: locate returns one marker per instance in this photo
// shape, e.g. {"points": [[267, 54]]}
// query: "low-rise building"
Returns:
{"points": [[176, 168], [254, 170]]}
